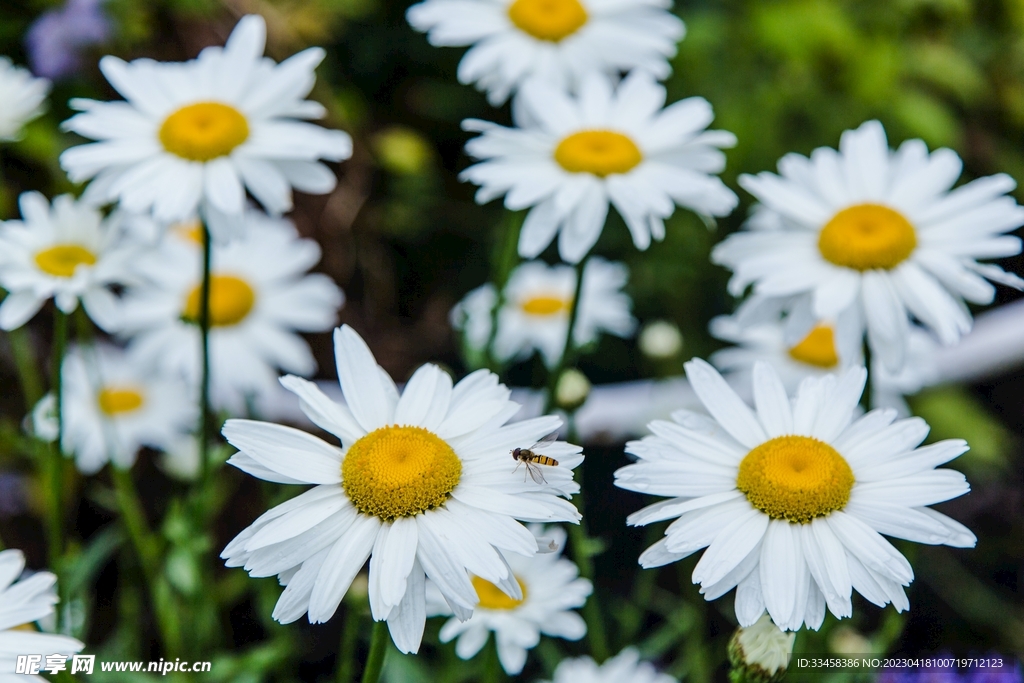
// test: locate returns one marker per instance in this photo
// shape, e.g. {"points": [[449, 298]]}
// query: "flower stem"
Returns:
{"points": [[580, 546], [378, 650], [204, 326], [493, 672], [349, 638], [25, 360], [133, 516], [503, 262], [55, 464], [566, 359]]}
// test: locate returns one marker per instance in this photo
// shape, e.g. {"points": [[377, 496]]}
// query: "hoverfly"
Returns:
{"points": [[527, 456]]}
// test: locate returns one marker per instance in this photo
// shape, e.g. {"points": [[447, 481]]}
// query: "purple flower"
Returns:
{"points": [[1009, 673], [55, 38]]}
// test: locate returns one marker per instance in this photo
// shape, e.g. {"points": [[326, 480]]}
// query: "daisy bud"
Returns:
{"points": [[572, 389], [660, 340], [760, 653]]}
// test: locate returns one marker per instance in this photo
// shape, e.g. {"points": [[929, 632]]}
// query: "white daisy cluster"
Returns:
{"points": [[421, 485], [23, 603], [874, 240], [535, 308], [624, 667], [551, 589], [791, 499]]}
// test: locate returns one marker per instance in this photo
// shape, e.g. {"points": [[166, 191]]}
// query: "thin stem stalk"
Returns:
{"points": [[349, 638], [204, 326], [567, 357], [25, 360], [55, 463], [378, 650]]}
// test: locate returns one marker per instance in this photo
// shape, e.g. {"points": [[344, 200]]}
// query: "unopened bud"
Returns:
{"points": [[848, 641], [760, 653], [660, 340], [572, 389]]}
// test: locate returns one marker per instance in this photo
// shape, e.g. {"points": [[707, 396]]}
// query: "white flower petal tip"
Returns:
{"points": [[458, 512], [921, 265], [26, 601], [790, 500], [24, 99], [572, 156], [625, 667], [158, 137]]}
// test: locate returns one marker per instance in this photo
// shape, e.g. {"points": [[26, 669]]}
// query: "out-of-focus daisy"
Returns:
{"points": [[536, 307], [551, 589], [571, 156], [260, 296], [22, 98], [113, 405], [791, 500], [919, 371], [423, 486], [797, 346], [624, 667], [559, 40], [24, 602], [66, 251], [880, 230], [199, 133]]}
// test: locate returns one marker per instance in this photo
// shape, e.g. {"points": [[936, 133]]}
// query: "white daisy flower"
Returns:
{"points": [[199, 133], [24, 602], [791, 500], [570, 156], [624, 667], [423, 485], [880, 230], [260, 296], [551, 589], [114, 405], [559, 40], [537, 303], [22, 98], [797, 345], [920, 370], [67, 252]]}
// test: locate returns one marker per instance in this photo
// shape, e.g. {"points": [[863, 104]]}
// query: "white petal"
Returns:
{"points": [[723, 404], [286, 450]]}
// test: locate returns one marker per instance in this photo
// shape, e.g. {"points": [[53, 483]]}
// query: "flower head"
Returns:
{"points": [[113, 405], [551, 589], [24, 602], [791, 500], [880, 230], [260, 296], [22, 98], [624, 667], [537, 304], [760, 652], [422, 485], [197, 134], [559, 40], [570, 156], [67, 251]]}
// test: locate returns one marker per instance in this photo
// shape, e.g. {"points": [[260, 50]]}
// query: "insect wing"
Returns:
{"points": [[546, 441], [535, 473]]}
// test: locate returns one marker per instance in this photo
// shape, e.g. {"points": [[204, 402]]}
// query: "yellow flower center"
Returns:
{"points": [[867, 237], [61, 260], [818, 348], [550, 20], [546, 305], [398, 471], [796, 478], [601, 152], [204, 131], [118, 400], [231, 299], [492, 597]]}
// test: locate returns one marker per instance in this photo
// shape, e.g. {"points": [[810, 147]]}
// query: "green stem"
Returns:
{"points": [[579, 546], [493, 672], [25, 360], [349, 638], [55, 465], [133, 516], [566, 359], [503, 262], [378, 650], [204, 326]]}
